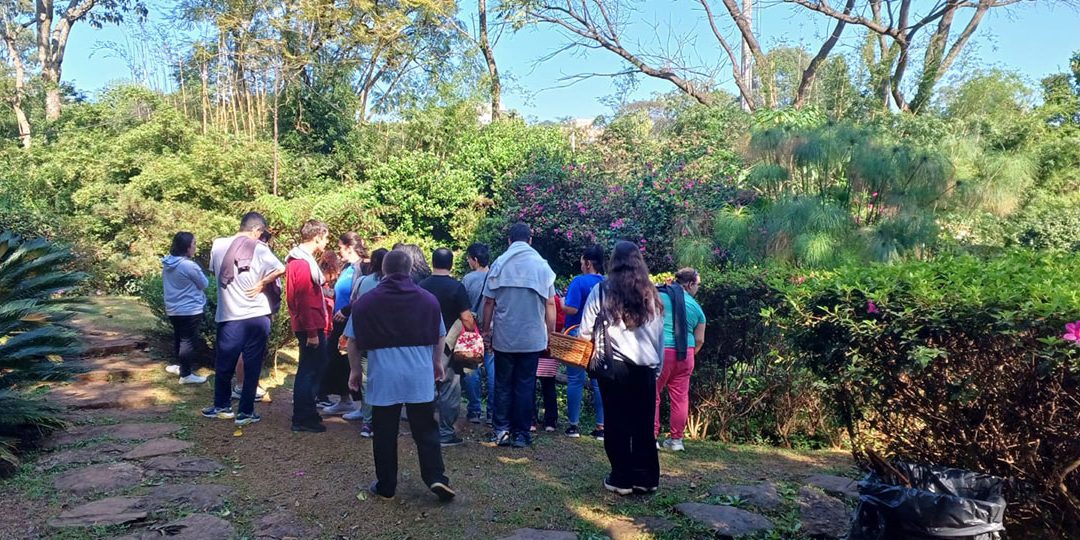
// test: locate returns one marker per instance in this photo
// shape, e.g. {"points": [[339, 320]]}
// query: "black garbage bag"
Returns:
{"points": [[942, 503]]}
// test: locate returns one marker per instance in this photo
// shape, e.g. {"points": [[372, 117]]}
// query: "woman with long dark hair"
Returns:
{"points": [[185, 300], [351, 251], [625, 318]]}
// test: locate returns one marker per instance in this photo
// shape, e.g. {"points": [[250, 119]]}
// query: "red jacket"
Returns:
{"points": [[307, 306]]}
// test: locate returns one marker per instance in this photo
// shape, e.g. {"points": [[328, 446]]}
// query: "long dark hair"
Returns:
{"points": [[330, 264], [420, 268], [629, 295], [375, 266], [354, 241], [181, 243]]}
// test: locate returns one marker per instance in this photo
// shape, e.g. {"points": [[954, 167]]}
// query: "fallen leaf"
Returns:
{"points": [[238, 433], [361, 496]]}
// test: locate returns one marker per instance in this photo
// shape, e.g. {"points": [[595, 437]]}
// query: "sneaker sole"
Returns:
{"points": [[618, 490], [443, 491], [219, 416], [305, 429], [643, 490], [451, 444], [247, 421]]}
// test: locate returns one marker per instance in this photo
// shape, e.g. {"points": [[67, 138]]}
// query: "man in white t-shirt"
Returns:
{"points": [[245, 269]]}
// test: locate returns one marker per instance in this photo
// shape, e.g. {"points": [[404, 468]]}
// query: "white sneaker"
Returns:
{"points": [[172, 369], [340, 407], [259, 393], [675, 445], [356, 414], [192, 379]]}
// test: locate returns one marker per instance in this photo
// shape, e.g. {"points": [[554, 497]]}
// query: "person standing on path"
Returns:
{"points": [[519, 314], [335, 377], [592, 273], [478, 257], [246, 272], [684, 334], [363, 285], [630, 340], [304, 283], [184, 286], [454, 306], [400, 327]]}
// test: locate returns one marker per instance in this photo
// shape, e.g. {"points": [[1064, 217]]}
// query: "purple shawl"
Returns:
{"points": [[396, 313]]}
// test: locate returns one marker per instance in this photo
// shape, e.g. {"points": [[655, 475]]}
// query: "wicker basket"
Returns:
{"points": [[570, 350]]}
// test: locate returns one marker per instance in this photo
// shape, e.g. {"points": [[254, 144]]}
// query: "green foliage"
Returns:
{"points": [[35, 286], [954, 361]]}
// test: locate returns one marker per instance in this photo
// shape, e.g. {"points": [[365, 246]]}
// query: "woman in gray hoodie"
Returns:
{"points": [[185, 300]]}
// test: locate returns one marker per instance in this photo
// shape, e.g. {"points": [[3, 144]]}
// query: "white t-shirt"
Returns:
{"points": [[232, 303]]}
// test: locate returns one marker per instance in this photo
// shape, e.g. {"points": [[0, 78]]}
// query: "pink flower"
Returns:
{"points": [[871, 307], [569, 235], [1072, 332]]}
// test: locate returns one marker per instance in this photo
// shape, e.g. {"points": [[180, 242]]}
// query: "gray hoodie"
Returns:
{"points": [[185, 286]]}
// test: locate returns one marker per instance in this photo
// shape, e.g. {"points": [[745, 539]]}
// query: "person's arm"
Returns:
{"points": [[266, 280], [550, 315], [356, 371], [589, 312], [489, 311], [436, 358], [196, 275], [699, 337], [569, 310], [467, 321]]}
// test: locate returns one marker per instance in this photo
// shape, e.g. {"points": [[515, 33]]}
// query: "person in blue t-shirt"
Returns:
{"points": [[592, 272]]}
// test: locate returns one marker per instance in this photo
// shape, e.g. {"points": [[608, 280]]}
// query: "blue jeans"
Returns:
{"points": [[471, 385], [247, 336], [308, 375], [515, 391], [575, 394]]}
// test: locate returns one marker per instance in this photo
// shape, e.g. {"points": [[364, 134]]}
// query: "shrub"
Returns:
{"points": [[957, 362], [33, 339]]}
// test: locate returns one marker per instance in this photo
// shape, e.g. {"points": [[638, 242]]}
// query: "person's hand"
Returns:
{"points": [[254, 291], [355, 379], [487, 340], [440, 373], [339, 316], [312, 341]]}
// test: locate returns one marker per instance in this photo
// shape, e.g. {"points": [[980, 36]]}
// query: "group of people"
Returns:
{"points": [[397, 321]]}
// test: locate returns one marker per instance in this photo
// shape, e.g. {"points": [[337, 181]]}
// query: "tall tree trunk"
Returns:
{"points": [[807, 81], [746, 57], [20, 90], [489, 56], [50, 74], [204, 74], [276, 107]]}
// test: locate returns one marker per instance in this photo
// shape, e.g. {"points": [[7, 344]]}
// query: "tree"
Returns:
{"points": [[54, 26], [15, 39], [897, 28]]}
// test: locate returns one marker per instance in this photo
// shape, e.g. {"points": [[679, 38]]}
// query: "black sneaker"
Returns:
{"points": [[323, 403], [640, 490], [573, 431], [619, 490], [312, 427], [245, 419], [597, 434], [473, 418], [521, 440], [452, 441], [500, 438], [374, 490], [443, 491], [366, 432]]}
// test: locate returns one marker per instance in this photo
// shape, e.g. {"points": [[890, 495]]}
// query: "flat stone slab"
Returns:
{"points": [[280, 525], [725, 520], [98, 478], [123, 432], [97, 343], [823, 516], [540, 534], [110, 511], [193, 527], [199, 497], [835, 485], [107, 395], [157, 447], [763, 496], [98, 453], [182, 465], [626, 528]]}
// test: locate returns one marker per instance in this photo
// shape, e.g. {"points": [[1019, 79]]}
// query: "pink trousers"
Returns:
{"points": [[676, 377]]}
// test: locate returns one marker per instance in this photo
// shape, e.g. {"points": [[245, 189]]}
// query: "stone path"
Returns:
{"points": [[135, 473]]}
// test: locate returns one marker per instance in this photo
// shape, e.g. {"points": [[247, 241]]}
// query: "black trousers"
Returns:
{"points": [[425, 432], [629, 404], [551, 401], [335, 377], [185, 340], [312, 364]]}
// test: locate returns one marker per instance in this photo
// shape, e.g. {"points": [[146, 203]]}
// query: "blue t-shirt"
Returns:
{"points": [[694, 317], [576, 295], [343, 288]]}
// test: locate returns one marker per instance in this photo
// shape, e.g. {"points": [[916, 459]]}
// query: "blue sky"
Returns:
{"points": [[1033, 39]]}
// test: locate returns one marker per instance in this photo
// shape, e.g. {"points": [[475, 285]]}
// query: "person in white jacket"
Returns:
{"points": [[185, 300]]}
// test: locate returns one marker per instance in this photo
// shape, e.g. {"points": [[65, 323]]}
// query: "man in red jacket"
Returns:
{"points": [[307, 313]]}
